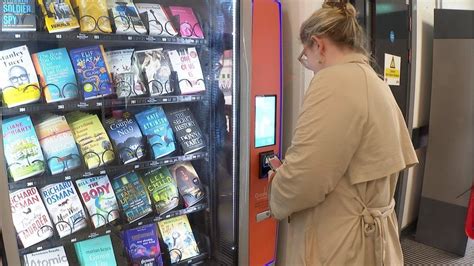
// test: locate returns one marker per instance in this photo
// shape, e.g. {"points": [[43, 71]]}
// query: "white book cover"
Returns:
{"points": [[65, 207], [156, 68], [30, 217], [51, 257], [158, 22], [120, 66], [186, 63], [99, 198]]}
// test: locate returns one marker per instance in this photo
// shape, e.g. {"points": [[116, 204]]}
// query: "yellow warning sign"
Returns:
{"points": [[392, 67], [392, 63]]}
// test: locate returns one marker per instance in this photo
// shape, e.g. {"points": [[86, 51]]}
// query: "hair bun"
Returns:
{"points": [[349, 10]]}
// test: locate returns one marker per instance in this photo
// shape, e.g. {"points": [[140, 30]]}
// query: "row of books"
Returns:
{"points": [[142, 246], [38, 212], [94, 73], [125, 136]]}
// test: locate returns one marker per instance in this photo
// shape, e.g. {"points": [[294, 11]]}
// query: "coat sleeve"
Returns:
{"points": [[328, 132]]}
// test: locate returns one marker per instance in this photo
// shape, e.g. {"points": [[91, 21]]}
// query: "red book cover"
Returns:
{"points": [[469, 227], [189, 26]]}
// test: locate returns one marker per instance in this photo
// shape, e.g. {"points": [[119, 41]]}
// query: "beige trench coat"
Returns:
{"points": [[337, 182]]}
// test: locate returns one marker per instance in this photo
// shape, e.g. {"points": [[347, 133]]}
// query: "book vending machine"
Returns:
{"points": [[136, 132]]}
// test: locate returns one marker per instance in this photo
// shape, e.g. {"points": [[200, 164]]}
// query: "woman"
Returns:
{"points": [[338, 180]]}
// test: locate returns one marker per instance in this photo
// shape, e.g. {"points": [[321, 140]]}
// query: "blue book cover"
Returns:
{"points": [[143, 246], [18, 15], [96, 251], [56, 75], [132, 196], [92, 71], [22, 149], [157, 129]]}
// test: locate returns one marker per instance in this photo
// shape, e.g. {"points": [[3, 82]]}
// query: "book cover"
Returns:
{"points": [[186, 63], [51, 257], [178, 237], [96, 251], [92, 71], [158, 21], [132, 196], [22, 149], [225, 76], [186, 129], [56, 75], [64, 207], [161, 187], [189, 184], [126, 136], [189, 26], [123, 74], [58, 15], [93, 16], [127, 20], [17, 73], [99, 198], [143, 246], [59, 158], [30, 218], [155, 126], [18, 15], [155, 69], [92, 139]]}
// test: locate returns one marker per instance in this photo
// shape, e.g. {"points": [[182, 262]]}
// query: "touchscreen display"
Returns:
{"points": [[265, 124]]}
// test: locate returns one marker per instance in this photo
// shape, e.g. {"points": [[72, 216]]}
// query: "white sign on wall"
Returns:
{"points": [[392, 66]]}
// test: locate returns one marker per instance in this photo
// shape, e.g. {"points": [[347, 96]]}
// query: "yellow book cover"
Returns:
{"points": [[58, 15], [93, 16], [177, 234]]}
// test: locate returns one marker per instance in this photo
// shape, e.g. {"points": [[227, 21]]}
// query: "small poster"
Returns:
{"points": [[391, 73]]}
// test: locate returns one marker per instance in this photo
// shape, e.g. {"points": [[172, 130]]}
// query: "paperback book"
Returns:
{"points": [[18, 15], [155, 69], [157, 20], [51, 257], [178, 237], [189, 26], [225, 76], [189, 184], [30, 218], [186, 129], [96, 251], [58, 15], [93, 16], [126, 18], [161, 186], [21, 148], [125, 80], [186, 63], [143, 246]]}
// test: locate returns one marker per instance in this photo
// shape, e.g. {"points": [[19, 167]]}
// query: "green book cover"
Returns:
{"points": [[96, 251], [161, 187]]}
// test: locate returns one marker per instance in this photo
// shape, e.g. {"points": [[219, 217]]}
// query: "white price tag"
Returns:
{"points": [[96, 37], [61, 106], [59, 36]]}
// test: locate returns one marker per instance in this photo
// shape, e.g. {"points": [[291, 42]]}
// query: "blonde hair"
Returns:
{"points": [[338, 22]]}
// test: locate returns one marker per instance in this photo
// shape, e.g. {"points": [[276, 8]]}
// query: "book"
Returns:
{"points": [[189, 26], [189, 184], [96, 251], [19, 81], [64, 207], [142, 245], [126, 136], [51, 257], [22, 149], [161, 186], [155, 69], [93, 16], [126, 18], [155, 126], [59, 158], [186, 63], [132, 196], [56, 75], [92, 139], [125, 79], [225, 76], [58, 15], [18, 15], [186, 129], [99, 198], [178, 237], [30, 218], [157, 20], [92, 71]]}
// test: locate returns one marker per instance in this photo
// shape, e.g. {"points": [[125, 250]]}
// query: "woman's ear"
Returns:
{"points": [[320, 44]]}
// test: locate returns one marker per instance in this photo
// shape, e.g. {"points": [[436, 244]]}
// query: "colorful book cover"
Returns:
{"points": [[59, 158], [156, 128], [161, 186], [143, 246], [92, 139], [126, 136], [96, 251], [18, 15], [126, 81], [189, 26], [158, 21], [30, 218], [155, 67], [17, 73], [178, 237], [189, 184], [225, 76], [56, 75], [127, 20], [93, 16], [99, 198], [186, 63], [22, 149], [186, 129], [92, 71], [51, 257], [58, 15], [132, 196], [64, 207]]}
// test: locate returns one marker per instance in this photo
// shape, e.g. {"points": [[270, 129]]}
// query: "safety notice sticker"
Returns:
{"points": [[391, 72]]}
